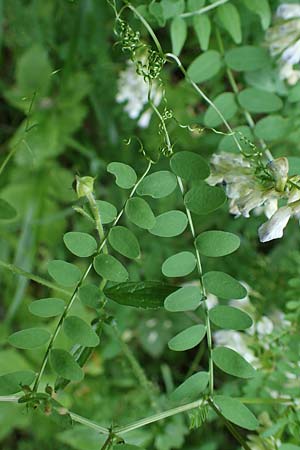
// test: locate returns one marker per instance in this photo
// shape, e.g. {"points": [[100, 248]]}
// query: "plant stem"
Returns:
{"points": [[74, 294], [204, 302], [204, 96], [18, 271], [203, 10], [236, 91]]}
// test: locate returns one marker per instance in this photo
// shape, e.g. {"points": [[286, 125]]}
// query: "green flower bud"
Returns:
{"points": [[280, 169], [84, 186]]}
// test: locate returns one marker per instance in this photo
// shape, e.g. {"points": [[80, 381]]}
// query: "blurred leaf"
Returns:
{"points": [[247, 58], [227, 106], [202, 27], [229, 17], [258, 101], [262, 8], [205, 66], [178, 34]]}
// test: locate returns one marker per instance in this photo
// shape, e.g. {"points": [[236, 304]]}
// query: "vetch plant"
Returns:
{"points": [[174, 203]]}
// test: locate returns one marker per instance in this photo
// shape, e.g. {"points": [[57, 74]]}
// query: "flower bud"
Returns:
{"points": [[84, 186]]}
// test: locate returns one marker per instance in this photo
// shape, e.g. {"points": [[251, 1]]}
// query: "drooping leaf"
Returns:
{"points": [[80, 244], [110, 268], [205, 66], [158, 184], [139, 212], [187, 298], [229, 17], [179, 265], [188, 338], [64, 365], [189, 166], [217, 243], [234, 411], [294, 94], [226, 104], [142, 294], [107, 211], [47, 307], [172, 8], [203, 199], [191, 388], [194, 5], [7, 212], [125, 175], [247, 58], [11, 383], [230, 318], [223, 285], [258, 101], [90, 295], [29, 338], [178, 34], [124, 241], [202, 27], [231, 362], [64, 273], [80, 332], [169, 224]]}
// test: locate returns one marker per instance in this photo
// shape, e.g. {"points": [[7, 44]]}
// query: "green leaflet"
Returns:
{"points": [[139, 212], [232, 363], [47, 307], [223, 285], [179, 265], [205, 66], [64, 365], [64, 273], [202, 27], [217, 243], [80, 332], [178, 34], [188, 338], [169, 224], [158, 184], [247, 58], [191, 388], [109, 268], [237, 413], [187, 298], [7, 211], [29, 338], [142, 294], [124, 241], [258, 101], [107, 211], [229, 17], [271, 128], [189, 166], [11, 383], [203, 199], [90, 295], [227, 106], [124, 174], [230, 318], [80, 244]]}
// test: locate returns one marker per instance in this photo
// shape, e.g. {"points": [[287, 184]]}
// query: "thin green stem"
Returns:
{"points": [[203, 10], [23, 273], [88, 423], [204, 302], [236, 91], [205, 97], [74, 294]]}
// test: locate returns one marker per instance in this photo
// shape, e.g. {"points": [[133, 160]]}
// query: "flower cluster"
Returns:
{"points": [[134, 90], [284, 41], [250, 190]]}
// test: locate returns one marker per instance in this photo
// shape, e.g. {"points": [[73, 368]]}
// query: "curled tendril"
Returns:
{"points": [[129, 39], [141, 148]]}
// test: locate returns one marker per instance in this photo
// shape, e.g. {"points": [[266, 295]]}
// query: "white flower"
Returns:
{"points": [[273, 228], [264, 326], [133, 89], [288, 11], [284, 40]]}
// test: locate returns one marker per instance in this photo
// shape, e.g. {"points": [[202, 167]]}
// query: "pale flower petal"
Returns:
{"points": [[273, 228], [288, 11]]}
